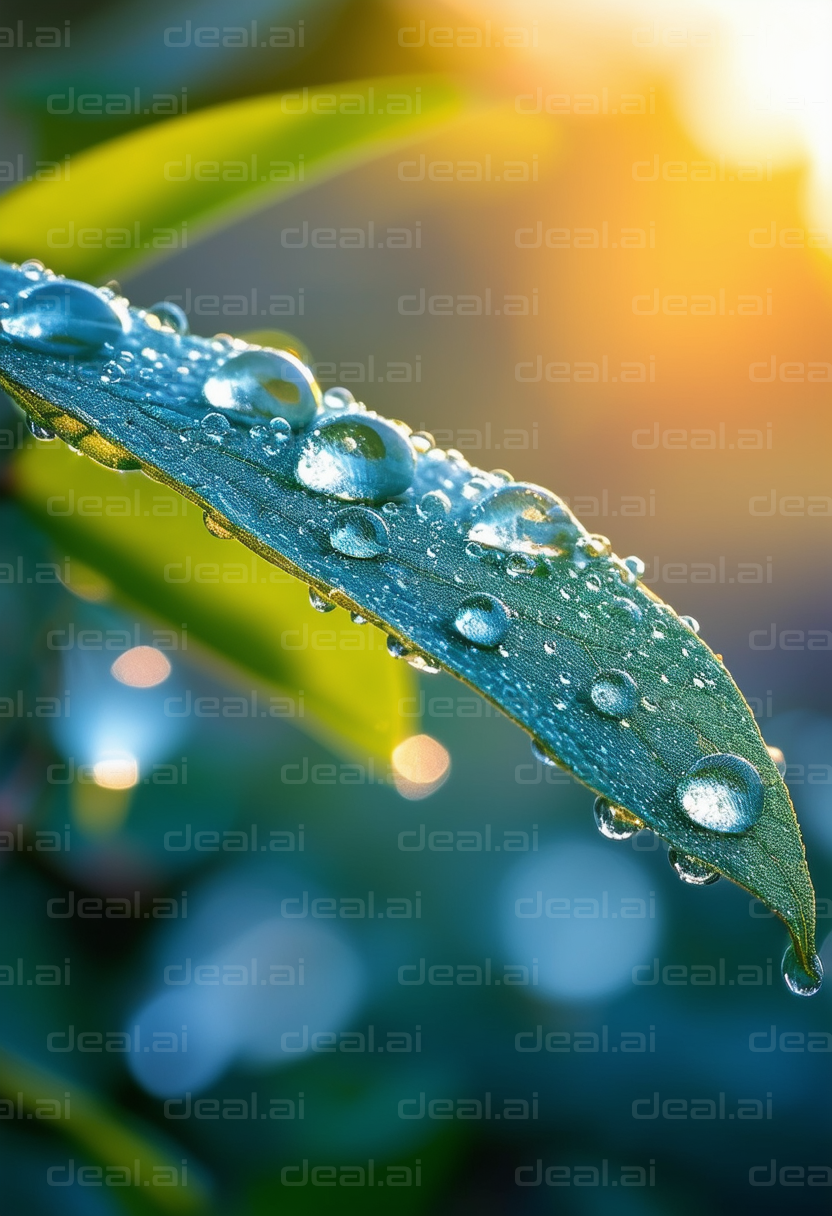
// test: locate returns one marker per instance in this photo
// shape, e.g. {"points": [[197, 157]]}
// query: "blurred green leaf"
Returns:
{"points": [[106, 1137], [606, 677], [148, 193]]}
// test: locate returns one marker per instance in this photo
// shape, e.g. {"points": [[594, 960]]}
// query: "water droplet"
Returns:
{"points": [[337, 398], [614, 822], [635, 565], [520, 565], [614, 694], [422, 441], [357, 618], [424, 664], [359, 532], [37, 429], [691, 623], [273, 437], [524, 518], [691, 870], [596, 545], [723, 793], [622, 610], [319, 602], [550, 647], [434, 505], [267, 383], [482, 620], [215, 427], [779, 759], [170, 316], [62, 317], [542, 756], [357, 457], [215, 527], [397, 649], [798, 979]]}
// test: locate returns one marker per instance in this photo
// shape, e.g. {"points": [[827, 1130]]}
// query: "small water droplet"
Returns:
{"points": [[519, 517], [550, 647], [397, 649], [614, 693], [424, 664], [691, 623], [357, 457], [319, 602], [37, 429], [541, 755], [779, 759], [422, 441], [723, 793], [337, 398], [215, 428], [635, 565], [434, 505], [482, 620], [170, 316], [691, 870], [622, 610], [267, 383], [520, 565], [357, 618], [592, 583], [614, 822], [798, 979], [62, 317], [359, 532]]}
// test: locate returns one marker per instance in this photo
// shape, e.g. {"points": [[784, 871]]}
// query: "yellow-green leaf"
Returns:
{"points": [[155, 190]]}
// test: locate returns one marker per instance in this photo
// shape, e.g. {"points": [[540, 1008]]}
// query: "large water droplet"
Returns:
{"points": [[522, 518], [691, 870], [798, 979], [723, 793], [614, 822], [267, 383], [62, 317], [614, 694], [483, 620], [434, 505], [358, 532], [215, 427], [357, 458]]}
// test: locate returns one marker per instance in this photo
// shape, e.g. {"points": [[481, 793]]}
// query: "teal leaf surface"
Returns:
{"points": [[494, 582]]}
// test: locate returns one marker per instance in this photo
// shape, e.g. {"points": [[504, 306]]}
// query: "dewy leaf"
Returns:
{"points": [[158, 189], [493, 581]]}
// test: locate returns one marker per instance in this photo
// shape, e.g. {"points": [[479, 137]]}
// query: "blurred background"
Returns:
{"points": [[272, 904]]}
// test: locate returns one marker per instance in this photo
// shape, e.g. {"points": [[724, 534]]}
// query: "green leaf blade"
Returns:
{"points": [[563, 626]]}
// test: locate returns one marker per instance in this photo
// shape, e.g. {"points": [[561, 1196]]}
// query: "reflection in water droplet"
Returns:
{"points": [[798, 979], [359, 532], [215, 428], [524, 518], [691, 870], [36, 429], [319, 602], [268, 383], [723, 793], [482, 620], [691, 623], [614, 694], [614, 822], [434, 505], [170, 316], [62, 317], [542, 756], [356, 458]]}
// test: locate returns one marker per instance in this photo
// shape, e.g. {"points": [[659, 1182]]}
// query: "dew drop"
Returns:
{"points": [[614, 822], [723, 793], [691, 870], [520, 565], [338, 398], [542, 756], [623, 610], [798, 979], [778, 758], [215, 428], [424, 664], [397, 649], [215, 527], [170, 316], [319, 602], [36, 429], [614, 694], [635, 565], [357, 618], [434, 505], [359, 532], [357, 458], [266, 383], [691, 623], [62, 317], [550, 647], [523, 518], [482, 620]]}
